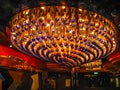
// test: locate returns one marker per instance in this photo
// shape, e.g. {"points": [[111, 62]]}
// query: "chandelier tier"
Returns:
{"points": [[62, 34]]}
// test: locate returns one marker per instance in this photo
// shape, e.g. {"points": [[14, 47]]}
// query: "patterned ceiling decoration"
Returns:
{"points": [[13, 59], [66, 35]]}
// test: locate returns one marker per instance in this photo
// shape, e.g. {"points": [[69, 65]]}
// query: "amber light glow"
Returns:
{"points": [[65, 35], [95, 65]]}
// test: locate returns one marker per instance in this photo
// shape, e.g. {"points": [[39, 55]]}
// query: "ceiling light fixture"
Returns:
{"points": [[66, 35]]}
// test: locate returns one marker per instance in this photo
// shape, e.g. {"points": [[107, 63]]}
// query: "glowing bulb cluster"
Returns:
{"points": [[62, 34]]}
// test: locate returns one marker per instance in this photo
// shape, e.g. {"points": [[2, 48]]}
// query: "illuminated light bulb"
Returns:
{"points": [[48, 25], [95, 15], [70, 31], [26, 34], [27, 12], [103, 47], [33, 28], [80, 9], [13, 38], [113, 39], [92, 32], [63, 7], [10, 46], [84, 28], [42, 7], [83, 20], [43, 18], [84, 36], [96, 24]]}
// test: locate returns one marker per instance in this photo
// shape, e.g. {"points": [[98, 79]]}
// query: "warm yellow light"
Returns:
{"points": [[65, 35], [80, 9], [42, 7], [84, 28], [63, 7], [92, 32], [43, 18], [10, 46], [96, 24], [93, 64], [33, 28], [27, 12], [48, 25]]}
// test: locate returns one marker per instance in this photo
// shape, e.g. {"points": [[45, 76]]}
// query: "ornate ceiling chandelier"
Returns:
{"points": [[66, 35]]}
